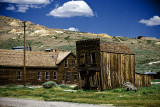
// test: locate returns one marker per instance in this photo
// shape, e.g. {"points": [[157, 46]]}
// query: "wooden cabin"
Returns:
{"points": [[103, 65], [40, 67]]}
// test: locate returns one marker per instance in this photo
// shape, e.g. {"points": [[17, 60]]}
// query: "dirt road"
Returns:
{"points": [[13, 102]]}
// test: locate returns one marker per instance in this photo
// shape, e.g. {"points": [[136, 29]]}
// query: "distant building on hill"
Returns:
{"points": [[146, 38]]}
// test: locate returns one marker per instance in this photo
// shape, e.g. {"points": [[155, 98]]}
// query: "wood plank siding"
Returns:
{"points": [[142, 80], [40, 67], [114, 65]]}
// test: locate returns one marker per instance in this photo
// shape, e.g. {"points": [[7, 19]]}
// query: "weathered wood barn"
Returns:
{"points": [[40, 67], [103, 65]]}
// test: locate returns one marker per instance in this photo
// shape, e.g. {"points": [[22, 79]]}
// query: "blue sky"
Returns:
{"points": [[128, 18]]}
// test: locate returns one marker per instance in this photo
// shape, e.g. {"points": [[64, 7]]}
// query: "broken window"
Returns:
{"points": [[39, 75]]}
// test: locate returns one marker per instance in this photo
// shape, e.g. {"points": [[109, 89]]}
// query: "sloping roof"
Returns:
{"points": [[33, 58], [115, 48], [150, 73], [61, 56]]}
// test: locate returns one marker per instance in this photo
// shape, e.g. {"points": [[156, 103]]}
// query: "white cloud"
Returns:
{"points": [[24, 5], [71, 9], [152, 21], [72, 29], [22, 8], [11, 7]]}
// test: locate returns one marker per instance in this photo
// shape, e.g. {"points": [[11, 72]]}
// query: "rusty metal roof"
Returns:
{"points": [[114, 48]]}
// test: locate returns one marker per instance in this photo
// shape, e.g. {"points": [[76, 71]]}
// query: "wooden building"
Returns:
{"points": [[103, 65], [40, 67]]}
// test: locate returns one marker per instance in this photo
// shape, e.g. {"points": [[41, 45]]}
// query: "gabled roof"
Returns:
{"points": [[114, 48], [33, 58]]}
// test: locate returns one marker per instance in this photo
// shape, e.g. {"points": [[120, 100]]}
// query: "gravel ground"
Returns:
{"points": [[13, 102]]}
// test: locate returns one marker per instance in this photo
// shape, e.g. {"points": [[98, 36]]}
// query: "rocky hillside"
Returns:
{"points": [[40, 37]]}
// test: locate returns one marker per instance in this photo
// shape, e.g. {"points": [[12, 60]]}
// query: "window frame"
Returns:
{"points": [[66, 63], [55, 75], [38, 75], [75, 75], [19, 75], [68, 77], [93, 58], [47, 75], [73, 63]]}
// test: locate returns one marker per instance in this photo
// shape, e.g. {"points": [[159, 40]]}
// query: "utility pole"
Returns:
{"points": [[24, 22]]}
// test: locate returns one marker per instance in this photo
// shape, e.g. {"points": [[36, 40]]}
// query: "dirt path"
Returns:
{"points": [[13, 102]]}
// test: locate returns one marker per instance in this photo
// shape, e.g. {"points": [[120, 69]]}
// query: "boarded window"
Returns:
{"points": [[68, 78], [75, 76], [39, 75], [47, 75], [54, 75], [18, 75], [66, 64], [73, 63], [93, 58]]}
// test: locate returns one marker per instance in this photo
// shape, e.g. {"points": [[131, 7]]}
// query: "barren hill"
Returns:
{"points": [[41, 37]]}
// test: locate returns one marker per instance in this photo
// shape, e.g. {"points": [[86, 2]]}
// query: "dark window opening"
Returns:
{"points": [[75, 76], [63, 76], [54, 75], [47, 75], [68, 77], [73, 63], [93, 58], [66, 64], [18, 75]]}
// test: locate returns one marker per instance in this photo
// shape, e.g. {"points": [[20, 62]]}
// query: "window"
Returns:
{"points": [[93, 58], [73, 63], [75, 76], [18, 75], [63, 76], [47, 75], [66, 64], [68, 78], [82, 58], [54, 75], [39, 75]]}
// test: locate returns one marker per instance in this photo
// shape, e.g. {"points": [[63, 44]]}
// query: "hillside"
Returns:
{"points": [[41, 37]]}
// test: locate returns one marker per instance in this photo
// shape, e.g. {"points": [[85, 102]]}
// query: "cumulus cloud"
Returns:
{"points": [[24, 5], [151, 22], [72, 9], [11, 7], [72, 29]]}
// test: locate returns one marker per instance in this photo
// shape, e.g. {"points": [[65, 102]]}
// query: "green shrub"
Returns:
{"points": [[49, 84], [64, 86]]}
